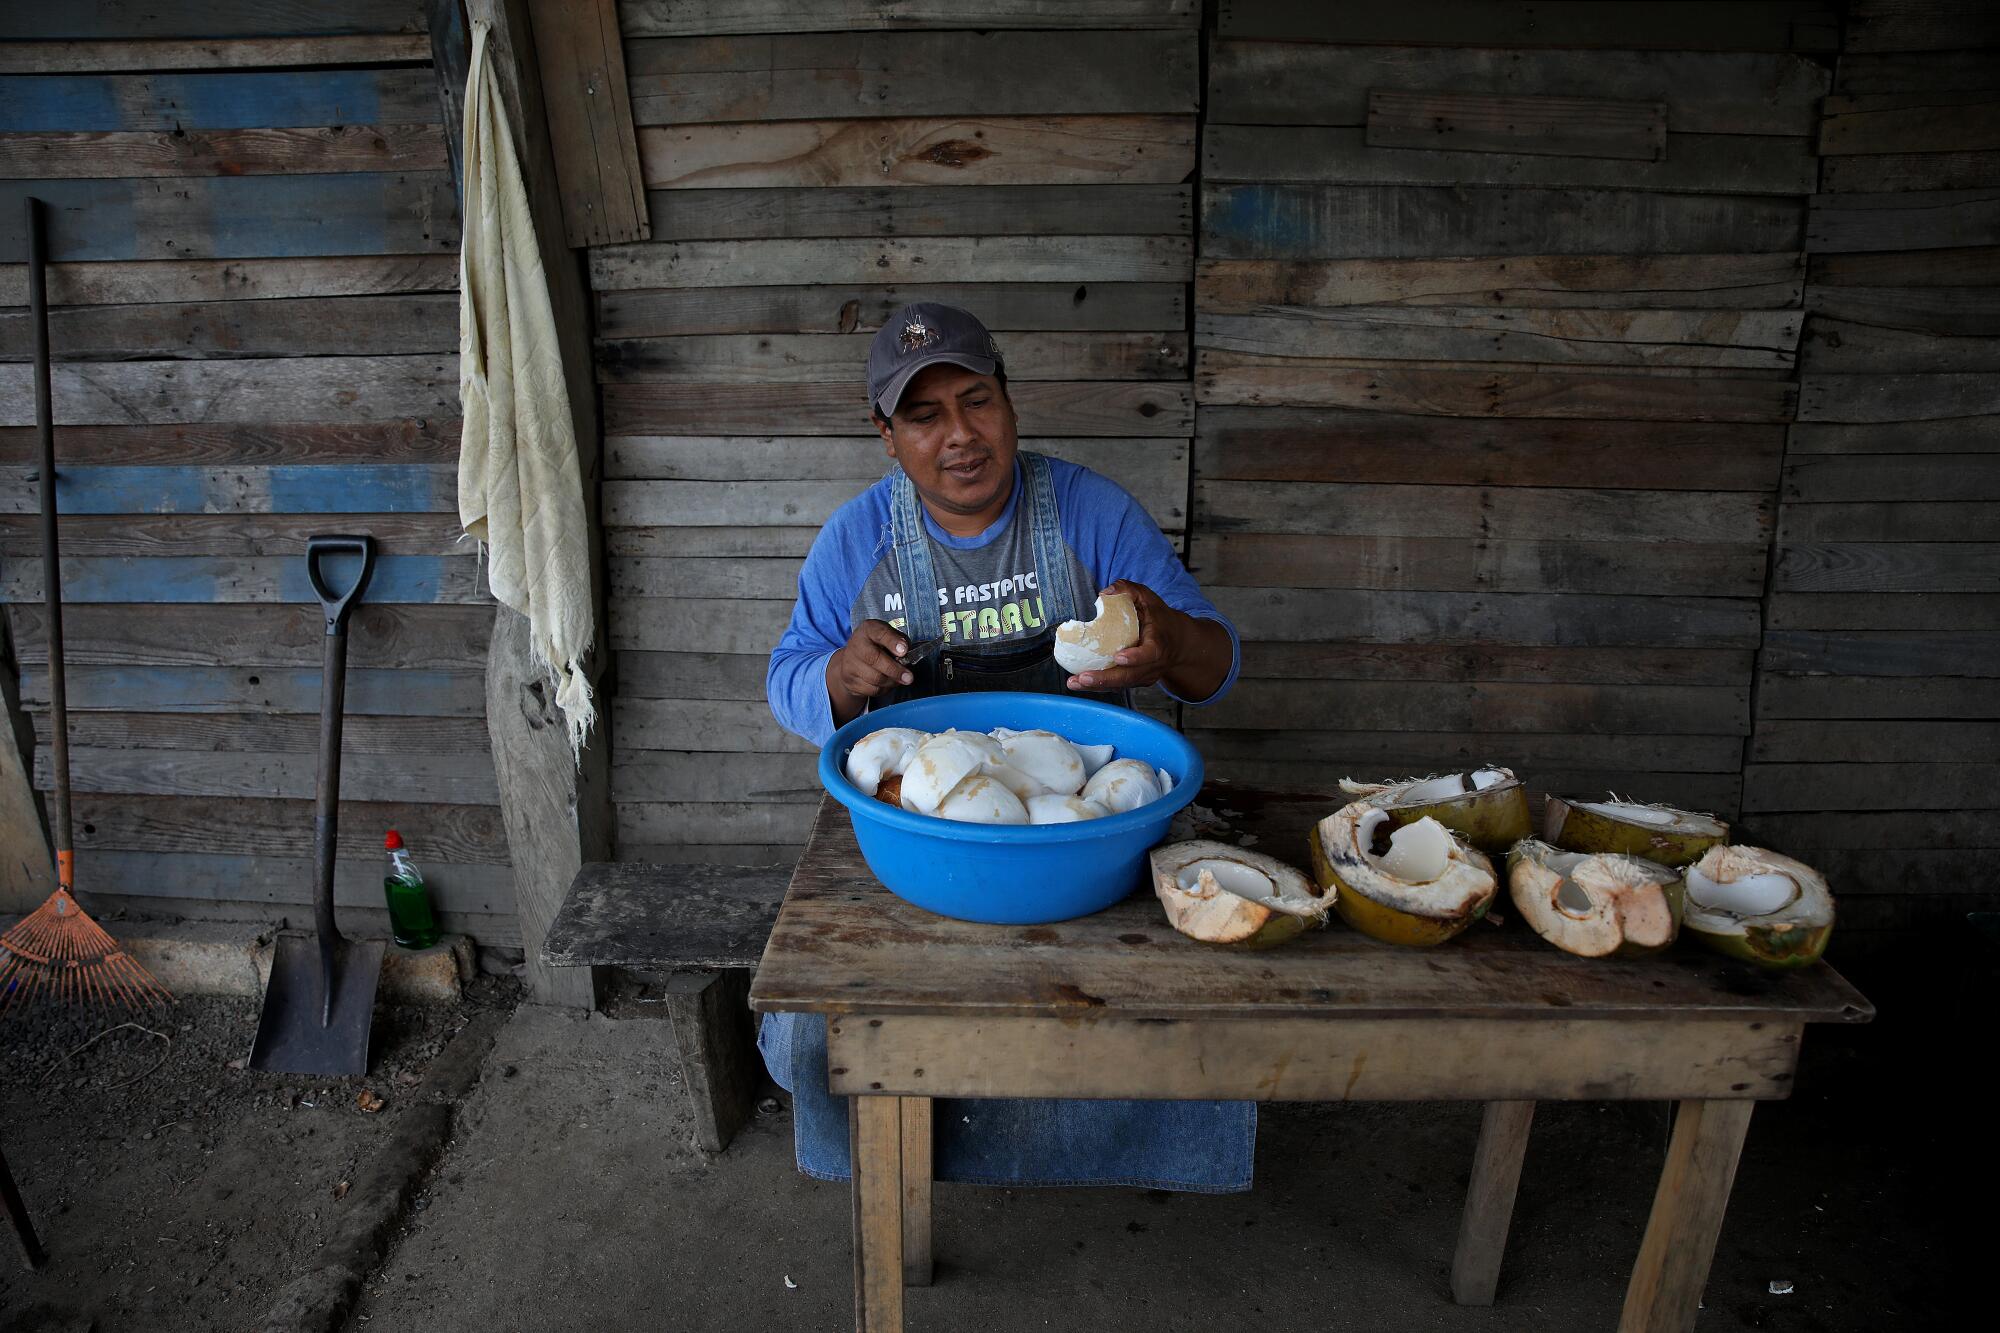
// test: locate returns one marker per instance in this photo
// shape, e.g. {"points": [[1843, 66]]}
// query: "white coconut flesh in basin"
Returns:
{"points": [[1056, 808], [940, 764], [881, 754], [1047, 758], [1221, 894], [1124, 784], [1594, 905], [1093, 645], [981, 800]]}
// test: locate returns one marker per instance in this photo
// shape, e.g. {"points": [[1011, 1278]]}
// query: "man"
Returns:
{"points": [[971, 552]]}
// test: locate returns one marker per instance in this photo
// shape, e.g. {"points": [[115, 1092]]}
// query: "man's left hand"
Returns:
{"points": [[1190, 653]]}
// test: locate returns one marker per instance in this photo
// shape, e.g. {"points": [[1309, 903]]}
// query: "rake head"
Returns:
{"points": [[57, 953]]}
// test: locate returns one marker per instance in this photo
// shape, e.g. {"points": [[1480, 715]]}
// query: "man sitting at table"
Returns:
{"points": [[971, 541]]}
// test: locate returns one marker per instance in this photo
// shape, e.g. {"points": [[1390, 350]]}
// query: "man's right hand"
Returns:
{"points": [[865, 666]]}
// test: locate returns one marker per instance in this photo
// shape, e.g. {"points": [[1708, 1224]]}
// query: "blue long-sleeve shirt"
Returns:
{"points": [[987, 583]]}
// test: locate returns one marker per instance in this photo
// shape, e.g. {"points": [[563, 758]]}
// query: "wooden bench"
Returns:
{"points": [[704, 926]]}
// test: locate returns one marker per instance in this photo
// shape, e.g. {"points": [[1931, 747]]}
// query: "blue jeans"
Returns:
{"points": [[1203, 1147]]}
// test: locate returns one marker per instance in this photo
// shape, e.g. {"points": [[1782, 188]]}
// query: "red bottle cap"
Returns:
{"points": [[394, 842]]}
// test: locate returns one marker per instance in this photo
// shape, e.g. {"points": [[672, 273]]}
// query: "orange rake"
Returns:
{"points": [[57, 952]]}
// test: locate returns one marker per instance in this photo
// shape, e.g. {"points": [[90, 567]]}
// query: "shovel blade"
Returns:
{"points": [[291, 1036]]}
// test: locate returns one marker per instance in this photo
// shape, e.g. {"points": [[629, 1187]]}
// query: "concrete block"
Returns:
{"points": [[225, 958]]}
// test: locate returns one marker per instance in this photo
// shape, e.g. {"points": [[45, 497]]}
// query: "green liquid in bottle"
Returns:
{"points": [[410, 917]]}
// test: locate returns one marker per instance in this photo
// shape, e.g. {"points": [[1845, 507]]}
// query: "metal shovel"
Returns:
{"points": [[320, 1004]]}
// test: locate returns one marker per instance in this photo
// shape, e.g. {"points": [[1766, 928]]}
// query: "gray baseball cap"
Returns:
{"points": [[924, 334]]}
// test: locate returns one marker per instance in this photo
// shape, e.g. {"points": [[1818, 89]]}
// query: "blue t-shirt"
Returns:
{"points": [[988, 584]]}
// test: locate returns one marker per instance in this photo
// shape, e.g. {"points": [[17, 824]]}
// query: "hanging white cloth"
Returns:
{"points": [[520, 490]]}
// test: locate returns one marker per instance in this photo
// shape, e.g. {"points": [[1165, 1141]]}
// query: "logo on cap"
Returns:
{"points": [[916, 334]]}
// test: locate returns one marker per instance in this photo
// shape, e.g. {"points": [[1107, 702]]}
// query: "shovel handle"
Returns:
{"points": [[337, 605]]}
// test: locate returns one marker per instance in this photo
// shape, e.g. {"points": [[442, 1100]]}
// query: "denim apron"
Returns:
{"points": [[1180, 1145]]}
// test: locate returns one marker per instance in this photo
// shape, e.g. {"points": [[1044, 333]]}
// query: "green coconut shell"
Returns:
{"points": [[1568, 825], [1378, 920], [1491, 819], [1778, 947]]}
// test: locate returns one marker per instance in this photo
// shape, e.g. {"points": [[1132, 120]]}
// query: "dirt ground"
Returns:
{"points": [[179, 1193]]}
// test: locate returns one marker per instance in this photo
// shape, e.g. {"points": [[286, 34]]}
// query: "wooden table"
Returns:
{"points": [[1119, 1005]]}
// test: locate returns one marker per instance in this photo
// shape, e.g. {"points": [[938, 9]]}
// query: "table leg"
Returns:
{"points": [[874, 1136], [916, 1117], [1489, 1201], [1665, 1291]]}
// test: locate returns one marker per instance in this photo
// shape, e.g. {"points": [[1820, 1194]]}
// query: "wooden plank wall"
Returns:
{"points": [[1878, 697], [801, 185], [254, 234], [1497, 311]]}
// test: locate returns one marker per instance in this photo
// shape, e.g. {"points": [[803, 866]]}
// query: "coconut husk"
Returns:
{"points": [[1234, 896], [1657, 833], [1722, 913], [1377, 903], [1488, 807], [1595, 905]]}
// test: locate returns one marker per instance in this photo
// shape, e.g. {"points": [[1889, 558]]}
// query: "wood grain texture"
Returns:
{"points": [[1489, 1201], [233, 689], [248, 18], [182, 534], [1883, 611], [1961, 70], [1837, 346], [440, 834], [1903, 220], [1532, 124], [1915, 122], [1707, 92], [1768, 25], [61, 154], [135, 282], [1904, 397], [1483, 707], [1664, 1295], [1892, 477], [875, 1155], [181, 579], [1289, 615], [106, 55], [775, 359], [1082, 408], [1378, 755], [407, 776], [1920, 25], [831, 308], [196, 443], [1973, 311], [869, 261], [217, 878], [996, 150], [994, 73], [669, 18], [923, 210], [1877, 697], [681, 777], [1810, 788], [1911, 742], [1360, 509], [212, 101], [336, 388], [1692, 282], [1463, 662], [1887, 567], [268, 734], [582, 67], [627, 914], [360, 325], [380, 638], [1883, 653], [1909, 171]]}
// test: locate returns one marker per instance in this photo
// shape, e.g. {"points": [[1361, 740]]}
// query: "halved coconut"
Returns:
{"points": [[1124, 784], [940, 764], [1056, 808], [1092, 645], [1759, 906], [881, 753], [1656, 832], [1225, 895], [1595, 905], [1414, 884], [1487, 806], [1047, 758], [981, 800]]}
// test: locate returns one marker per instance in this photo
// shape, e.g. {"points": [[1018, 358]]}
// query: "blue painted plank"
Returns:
{"points": [[76, 20], [237, 217], [166, 102], [370, 691], [368, 488], [415, 579]]}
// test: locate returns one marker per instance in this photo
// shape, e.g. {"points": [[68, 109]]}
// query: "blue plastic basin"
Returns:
{"points": [[1013, 874]]}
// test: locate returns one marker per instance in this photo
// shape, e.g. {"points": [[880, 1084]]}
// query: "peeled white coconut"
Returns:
{"points": [[880, 754], [1047, 758], [1092, 645], [1224, 895], [1759, 906], [1021, 783], [1124, 784], [1095, 757], [1059, 808], [1414, 884], [981, 800], [1595, 905], [940, 764]]}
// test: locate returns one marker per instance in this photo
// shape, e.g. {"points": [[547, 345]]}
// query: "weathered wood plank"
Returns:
{"points": [[768, 359], [330, 388], [1878, 521], [1942, 830], [793, 76], [356, 488], [248, 18], [1690, 164], [1359, 509], [1868, 786], [1299, 444], [1914, 71], [1906, 397], [1909, 171], [1914, 122], [1876, 697], [1235, 378], [1374, 755], [1875, 742], [435, 737], [713, 822], [227, 534], [751, 577], [1957, 311], [687, 775], [1948, 268], [1501, 123], [1760, 339], [1002, 307], [1077, 408], [1457, 564], [626, 914], [441, 834], [247, 217], [138, 282], [171, 579], [582, 66], [404, 776], [1696, 710], [668, 18], [1959, 435], [1133, 463], [419, 638], [1292, 221], [220, 877], [206, 101], [995, 150], [698, 625], [248, 443], [144, 153], [690, 676], [1893, 477], [705, 724], [1835, 346], [923, 210], [1284, 83], [314, 326], [1921, 25], [1431, 661], [1903, 220], [1289, 615], [869, 261], [1883, 611], [77, 57], [260, 689], [1692, 282], [713, 543], [1883, 653], [1703, 25], [1489, 1201], [1887, 567]]}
